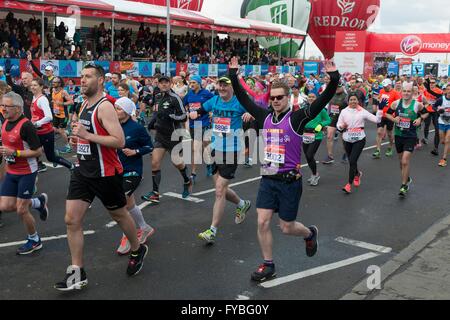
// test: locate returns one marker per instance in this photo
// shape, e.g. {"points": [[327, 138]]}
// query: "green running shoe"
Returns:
{"points": [[208, 236], [241, 213], [389, 152], [376, 154]]}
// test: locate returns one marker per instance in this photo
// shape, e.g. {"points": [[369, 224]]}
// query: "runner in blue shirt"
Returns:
{"points": [[193, 101], [226, 143]]}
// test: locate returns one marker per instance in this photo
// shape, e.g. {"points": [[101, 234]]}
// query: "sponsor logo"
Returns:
{"points": [[346, 6], [279, 14], [411, 45]]}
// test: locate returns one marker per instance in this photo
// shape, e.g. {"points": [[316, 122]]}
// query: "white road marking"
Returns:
{"points": [[63, 236], [364, 245], [179, 196], [321, 269], [242, 297]]}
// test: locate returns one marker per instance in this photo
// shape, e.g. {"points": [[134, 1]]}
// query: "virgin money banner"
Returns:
{"points": [[408, 44]]}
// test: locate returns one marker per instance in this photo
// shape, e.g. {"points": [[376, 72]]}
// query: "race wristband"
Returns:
{"points": [[18, 153]]}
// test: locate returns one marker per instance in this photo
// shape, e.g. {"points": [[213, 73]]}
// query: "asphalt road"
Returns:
{"points": [[180, 266]]}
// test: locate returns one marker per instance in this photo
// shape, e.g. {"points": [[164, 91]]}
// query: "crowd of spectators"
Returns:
{"points": [[17, 36]]}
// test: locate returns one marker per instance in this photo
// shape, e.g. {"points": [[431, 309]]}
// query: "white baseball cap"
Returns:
{"points": [[126, 105], [386, 82], [48, 68], [108, 75]]}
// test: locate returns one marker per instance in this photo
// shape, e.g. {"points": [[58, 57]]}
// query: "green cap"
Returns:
{"points": [[225, 79]]}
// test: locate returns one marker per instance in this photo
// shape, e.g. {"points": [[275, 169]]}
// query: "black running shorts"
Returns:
{"points": [[108, 189]]}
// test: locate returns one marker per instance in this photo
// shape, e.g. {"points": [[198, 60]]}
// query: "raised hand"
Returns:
{"points": [[330, 66], [234, 63]]}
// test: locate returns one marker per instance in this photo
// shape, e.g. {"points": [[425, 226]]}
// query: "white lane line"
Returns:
{"points": [[179, 196], [321, 269], [63, 236], [374, 147], [364, 245], [50, 165]]}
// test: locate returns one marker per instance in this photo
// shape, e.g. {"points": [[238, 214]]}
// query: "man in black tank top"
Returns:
{"points": [[96, 136]]}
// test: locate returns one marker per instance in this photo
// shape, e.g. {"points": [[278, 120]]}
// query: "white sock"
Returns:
{"points": [[213, 229], [241, 203], [35, 203], [136, 213], [34, 237]]}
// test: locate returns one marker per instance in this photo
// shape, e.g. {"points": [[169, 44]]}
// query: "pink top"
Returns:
{"points": [[354, 118], [261, 99]]}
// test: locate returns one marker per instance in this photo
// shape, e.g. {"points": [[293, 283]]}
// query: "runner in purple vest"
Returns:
{"points": [[281, 184]]}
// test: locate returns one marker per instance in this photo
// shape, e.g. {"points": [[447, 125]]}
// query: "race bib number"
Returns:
{"points": [[195, 106], [222, 125], [275, 154], [354, 134], [309, 138], [405, 123], [10, 159], [83, 147], [447, 112], [334, 109], [379, 116]]}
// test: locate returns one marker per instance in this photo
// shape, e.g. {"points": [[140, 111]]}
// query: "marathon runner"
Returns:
{"points": [[281, 185], [226, 146], [23, 90], [137, 144], [407, 114], [96, 136], [170, 116], [387, 97], [193, 101], [442, 107], [351, 122], [61, 100], [336, 105], [312, 138], [42, 119], [432, 93], [113, 87], [20, 148]]}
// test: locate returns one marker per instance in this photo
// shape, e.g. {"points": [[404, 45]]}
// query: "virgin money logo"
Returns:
{"points": [[346, 6], [411, 45]]}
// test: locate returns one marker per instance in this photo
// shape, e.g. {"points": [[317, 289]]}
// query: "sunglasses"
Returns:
{"points": [[278, 98]]}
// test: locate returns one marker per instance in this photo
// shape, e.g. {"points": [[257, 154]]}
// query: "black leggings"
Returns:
{"points": [[48, 143], [353, 151], [310, 151], [432, 117]]}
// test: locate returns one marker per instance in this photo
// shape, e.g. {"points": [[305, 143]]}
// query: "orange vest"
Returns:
{"points": [[58, 108]]}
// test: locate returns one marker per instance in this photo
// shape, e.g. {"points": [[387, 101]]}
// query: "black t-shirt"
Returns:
{"points": [[28, 133]]}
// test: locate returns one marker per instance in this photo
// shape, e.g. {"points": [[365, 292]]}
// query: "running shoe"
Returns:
{"points": [[315, 180], [41, 167], [136, 261], [241, 213], [376, 154], [443, 163], [209, 170], [264, 272], [208, 236], [71, 282], [144, 234], [124, 247], [310, 179], [434, 152], [152, 197], [312, 244], [187, 189], [328, 160], [347, 188], [425, 141], [248, 162], [43, 209], [336, 135], [389, 152], [65, 149], [29, 247], [403, 190], [357, 180]]}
